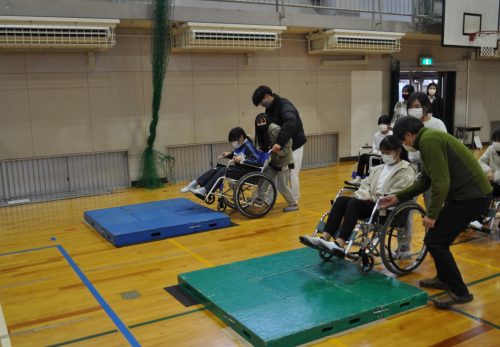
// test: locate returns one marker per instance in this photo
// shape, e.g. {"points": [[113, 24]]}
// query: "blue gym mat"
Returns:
{"points": [[131, 224]]}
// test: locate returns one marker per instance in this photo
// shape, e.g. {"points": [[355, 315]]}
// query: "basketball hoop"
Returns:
{"points": [[488, 41]]}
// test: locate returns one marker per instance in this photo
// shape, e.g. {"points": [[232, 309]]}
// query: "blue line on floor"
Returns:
{"points": [[26, 250], [114, 317]]}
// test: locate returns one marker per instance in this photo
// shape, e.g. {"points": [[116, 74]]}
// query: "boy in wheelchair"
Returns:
{"points": [[246, 158], [394, 175]]}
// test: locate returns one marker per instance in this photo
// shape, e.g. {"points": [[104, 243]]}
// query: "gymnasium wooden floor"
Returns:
{"points": [[46, 303]]}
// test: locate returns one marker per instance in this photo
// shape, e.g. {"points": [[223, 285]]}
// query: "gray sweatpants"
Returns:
{"points": [[281, 179]]}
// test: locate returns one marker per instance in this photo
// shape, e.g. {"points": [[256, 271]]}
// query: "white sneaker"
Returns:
{"points": [[310, 241], [191, 185], [476, 225], [355, 182], [199, 191], [331, 246]]}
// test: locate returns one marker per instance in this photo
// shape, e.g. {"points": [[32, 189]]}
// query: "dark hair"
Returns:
{"points": [[432, 84], [409, 88], [236, 133], [384, 119], [423, 99], [391, 143], [262, 138], [259, 94], [495, 137], [405, 125]]}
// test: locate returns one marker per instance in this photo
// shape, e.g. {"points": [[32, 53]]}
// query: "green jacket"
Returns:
{"points": [[449, 169]]}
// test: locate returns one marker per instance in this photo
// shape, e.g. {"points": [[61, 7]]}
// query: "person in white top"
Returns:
{"points": [[490, 162], [364, 159], [419, 106], [395, 175]]}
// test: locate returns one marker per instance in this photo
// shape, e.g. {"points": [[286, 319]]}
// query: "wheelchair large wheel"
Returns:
{"points": [[402, 247], [254, 195]]}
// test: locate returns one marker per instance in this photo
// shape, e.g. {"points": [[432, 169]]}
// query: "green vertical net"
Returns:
{"points": [[160, 52]]}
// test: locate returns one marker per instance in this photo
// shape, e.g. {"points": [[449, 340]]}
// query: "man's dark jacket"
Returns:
{"points": [[283, 113]]}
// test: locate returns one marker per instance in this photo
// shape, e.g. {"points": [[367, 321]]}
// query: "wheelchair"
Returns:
{"points": [[396, 235], [374, 160], [253, 195]]}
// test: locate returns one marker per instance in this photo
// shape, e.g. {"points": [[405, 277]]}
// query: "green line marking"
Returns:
{"points": [[84, 338], [166, 318], [484, 321]]}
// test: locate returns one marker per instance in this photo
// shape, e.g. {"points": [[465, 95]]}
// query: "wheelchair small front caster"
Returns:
{"points": [[366, 263], [325, 255], [210, 199], [221, 206]]}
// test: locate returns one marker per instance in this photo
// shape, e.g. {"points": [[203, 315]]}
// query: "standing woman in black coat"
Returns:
{"points": [[436, 101]]}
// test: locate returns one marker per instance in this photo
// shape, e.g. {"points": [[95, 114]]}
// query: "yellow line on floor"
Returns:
{"points": [[191, 253], [476, 262], [4, 332]]}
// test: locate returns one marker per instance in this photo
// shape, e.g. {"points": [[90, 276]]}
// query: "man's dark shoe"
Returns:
{"points": [[450, 299], [435, 283]]}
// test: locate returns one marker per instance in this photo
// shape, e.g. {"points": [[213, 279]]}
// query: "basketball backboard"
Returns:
{"points": [[464, 17]]}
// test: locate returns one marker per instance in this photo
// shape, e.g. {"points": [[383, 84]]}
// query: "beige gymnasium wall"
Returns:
{"points": [[65, 103]]}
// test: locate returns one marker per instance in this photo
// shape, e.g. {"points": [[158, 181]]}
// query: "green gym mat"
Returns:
{"points": [[294, 297]]}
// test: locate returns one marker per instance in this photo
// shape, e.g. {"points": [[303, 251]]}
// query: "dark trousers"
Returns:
{"points": [[453, 219], [210, 177], [345, 213], [496, 188], [364, 163]]}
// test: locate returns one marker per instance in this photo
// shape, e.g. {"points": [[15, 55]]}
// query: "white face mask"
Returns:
{"points": [[416, 112], [388, 159], [235, 144], [383, 127], [432, 91], [496, 146]]}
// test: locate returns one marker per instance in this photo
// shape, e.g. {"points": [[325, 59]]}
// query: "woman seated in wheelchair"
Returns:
{"points": [[394, 175], [246, 159]]}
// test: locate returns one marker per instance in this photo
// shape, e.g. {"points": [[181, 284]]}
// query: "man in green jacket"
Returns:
{"points": [[460, 193]]}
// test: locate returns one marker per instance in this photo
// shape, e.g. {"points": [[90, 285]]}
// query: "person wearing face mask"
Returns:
{"points": [[419, 106], [282, 113], [364, 159], [244, 153], [400, 109], [436, 101], [394, 175], [460, 193], [490, 163], [266, 135]]}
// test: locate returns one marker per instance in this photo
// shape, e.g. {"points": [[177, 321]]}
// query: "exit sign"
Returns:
{"points": [[426, 61]]}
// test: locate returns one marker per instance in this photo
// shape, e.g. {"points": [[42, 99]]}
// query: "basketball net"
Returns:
{"points": [[488, 42]]}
